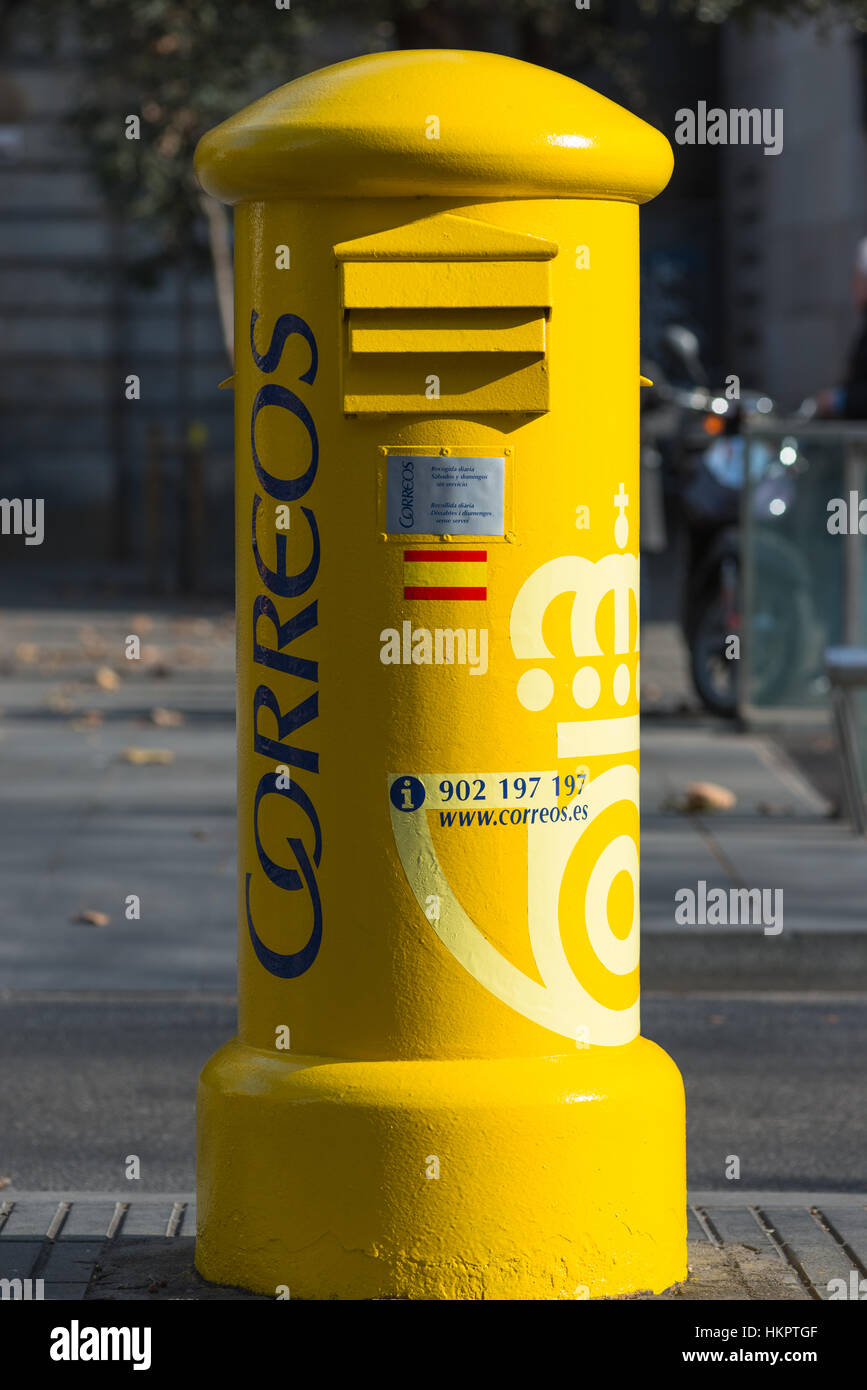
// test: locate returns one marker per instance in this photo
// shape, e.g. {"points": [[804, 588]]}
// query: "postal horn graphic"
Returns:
{"points": [[587, 965]]}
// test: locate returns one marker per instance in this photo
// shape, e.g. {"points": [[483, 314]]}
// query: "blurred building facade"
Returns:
{"points": [[73, 329], [751, 251], [792, 221]]}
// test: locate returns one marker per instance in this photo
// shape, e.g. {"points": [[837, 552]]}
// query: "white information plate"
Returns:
{"points": [[440, 495]]}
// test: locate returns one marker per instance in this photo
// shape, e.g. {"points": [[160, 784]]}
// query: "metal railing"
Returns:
{"points": [[803, 577]]}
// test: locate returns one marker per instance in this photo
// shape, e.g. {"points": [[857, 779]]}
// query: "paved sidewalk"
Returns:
{"points": [[82, 827], [762, 1246], [778, 836]]}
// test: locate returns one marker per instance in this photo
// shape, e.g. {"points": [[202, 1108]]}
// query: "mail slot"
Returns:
{"points": [[468, 303], [451, 330]]}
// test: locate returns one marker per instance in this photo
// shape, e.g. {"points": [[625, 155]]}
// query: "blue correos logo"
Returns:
{"points": [[407, 494]]}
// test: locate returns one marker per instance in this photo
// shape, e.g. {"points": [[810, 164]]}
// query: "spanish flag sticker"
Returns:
{"points": [[456, 575]]}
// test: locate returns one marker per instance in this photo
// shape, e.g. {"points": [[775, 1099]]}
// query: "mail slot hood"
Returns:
{"points": [[446, 298]]}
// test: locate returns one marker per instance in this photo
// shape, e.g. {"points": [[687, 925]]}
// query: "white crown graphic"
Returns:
{"points": [[590, 582]]}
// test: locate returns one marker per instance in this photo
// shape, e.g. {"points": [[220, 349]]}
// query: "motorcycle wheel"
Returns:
{"points": [[713, 674]]}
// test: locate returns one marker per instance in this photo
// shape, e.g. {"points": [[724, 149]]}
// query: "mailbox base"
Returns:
{"points": [[558, 1177]]}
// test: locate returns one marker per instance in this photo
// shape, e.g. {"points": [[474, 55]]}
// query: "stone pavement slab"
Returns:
{"points": [[777, 837], [763, 779]]}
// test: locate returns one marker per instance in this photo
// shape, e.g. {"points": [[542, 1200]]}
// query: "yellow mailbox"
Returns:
{"points": [[438, 1088]]}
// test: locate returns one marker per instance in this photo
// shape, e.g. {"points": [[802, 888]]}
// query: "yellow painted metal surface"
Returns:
{"points": [[465, 382], [445, 284], [362, 129], [447, 236], [438, 1088], [435, 287], [454, 330]]}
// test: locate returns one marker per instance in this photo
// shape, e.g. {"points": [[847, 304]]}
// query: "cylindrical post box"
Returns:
{"points": [[438, 1088]]}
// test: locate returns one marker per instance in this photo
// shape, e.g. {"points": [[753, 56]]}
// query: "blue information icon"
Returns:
{"points": [[407, 793]]}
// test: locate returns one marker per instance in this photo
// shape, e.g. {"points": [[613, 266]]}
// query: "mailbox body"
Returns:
{"points": [[438, 1087]]}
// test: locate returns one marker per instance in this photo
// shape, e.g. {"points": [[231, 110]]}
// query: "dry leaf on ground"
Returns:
{"points": [[107, 679], [90, 918], [141, 756], [166, 718], [709, 796]]}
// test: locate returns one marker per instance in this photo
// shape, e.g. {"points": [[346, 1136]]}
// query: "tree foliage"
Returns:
{"points": [[184, 65]]}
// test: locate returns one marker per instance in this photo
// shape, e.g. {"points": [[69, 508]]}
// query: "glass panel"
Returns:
{"points": [[860, 708], [794, 567]]}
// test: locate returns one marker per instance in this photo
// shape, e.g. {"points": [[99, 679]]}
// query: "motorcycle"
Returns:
{"points": [[707, 455]]}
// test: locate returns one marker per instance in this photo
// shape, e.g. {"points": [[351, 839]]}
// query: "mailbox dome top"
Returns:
{"points": [[434, 123]]}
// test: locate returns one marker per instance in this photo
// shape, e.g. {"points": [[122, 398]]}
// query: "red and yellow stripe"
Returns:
{"points": [[453, 575]]}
